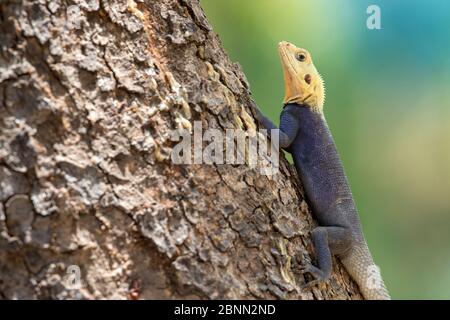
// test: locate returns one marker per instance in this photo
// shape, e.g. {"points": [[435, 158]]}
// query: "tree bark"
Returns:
{"points": [[90, 92]]}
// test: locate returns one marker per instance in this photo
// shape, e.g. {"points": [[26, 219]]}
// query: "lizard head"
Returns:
{"points": [[303, 84]]}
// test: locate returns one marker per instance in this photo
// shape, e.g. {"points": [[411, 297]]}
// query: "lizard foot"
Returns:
{"points": [[260, 118], [320, 277]]}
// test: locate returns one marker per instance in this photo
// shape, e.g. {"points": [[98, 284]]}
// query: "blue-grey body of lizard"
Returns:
{"points": [[305, 134]]}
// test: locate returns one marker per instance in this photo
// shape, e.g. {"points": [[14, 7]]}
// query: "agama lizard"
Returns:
{"points": [[304, 133]]}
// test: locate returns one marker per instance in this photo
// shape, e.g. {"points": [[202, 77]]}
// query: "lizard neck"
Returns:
{"points": [[315, 109]]}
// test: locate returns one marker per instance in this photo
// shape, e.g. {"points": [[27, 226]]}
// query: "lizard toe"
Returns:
{"points": [[319, 276]]}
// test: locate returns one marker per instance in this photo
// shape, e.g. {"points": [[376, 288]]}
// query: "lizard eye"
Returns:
{"points": [[300, 57]]}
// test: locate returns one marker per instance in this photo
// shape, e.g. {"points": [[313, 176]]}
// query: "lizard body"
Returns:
{"points": [[304, 133]]}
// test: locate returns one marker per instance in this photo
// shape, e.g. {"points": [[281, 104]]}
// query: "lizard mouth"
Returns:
{"points": [[284, 54]]}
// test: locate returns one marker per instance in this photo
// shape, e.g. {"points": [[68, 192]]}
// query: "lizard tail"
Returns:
{"points": [[359, 264]]}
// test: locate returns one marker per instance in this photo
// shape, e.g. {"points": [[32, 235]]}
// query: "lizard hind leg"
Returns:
{"points": [[327, 241]]}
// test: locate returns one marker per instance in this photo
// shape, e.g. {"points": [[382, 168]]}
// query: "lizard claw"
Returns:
{"points": [[306, 268], [260, 118], [319, 276], [310, 284], [309, 268]]}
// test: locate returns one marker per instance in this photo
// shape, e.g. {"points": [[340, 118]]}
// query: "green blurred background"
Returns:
{"points": [[387, 104]]}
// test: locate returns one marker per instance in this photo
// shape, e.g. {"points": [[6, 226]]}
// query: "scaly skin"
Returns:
{"points": [[304, 133]]}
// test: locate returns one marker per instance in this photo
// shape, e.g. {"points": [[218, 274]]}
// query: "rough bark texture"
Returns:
{"points": [[89, 93]]}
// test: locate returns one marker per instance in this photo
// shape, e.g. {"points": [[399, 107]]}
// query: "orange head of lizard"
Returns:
{"points": [[303, 84]]}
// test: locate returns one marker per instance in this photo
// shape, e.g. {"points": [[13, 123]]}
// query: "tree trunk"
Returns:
{"points": [[91, 205]]}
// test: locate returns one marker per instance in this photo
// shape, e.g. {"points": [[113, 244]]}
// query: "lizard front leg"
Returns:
{"points": [[287, 132]]}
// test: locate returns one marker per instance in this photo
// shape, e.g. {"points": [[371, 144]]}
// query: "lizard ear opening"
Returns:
{"points": [[308, 79]]}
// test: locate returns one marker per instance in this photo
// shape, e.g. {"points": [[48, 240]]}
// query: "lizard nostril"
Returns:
{"points": [[308, 79]]}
